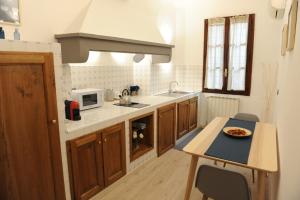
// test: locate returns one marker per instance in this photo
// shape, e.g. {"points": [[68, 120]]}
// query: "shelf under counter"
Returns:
{"points": [[139, 148]]}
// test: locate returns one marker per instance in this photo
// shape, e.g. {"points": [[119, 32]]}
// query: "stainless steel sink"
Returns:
{"points": [[180, 92], [174, 94], [132, 105]]}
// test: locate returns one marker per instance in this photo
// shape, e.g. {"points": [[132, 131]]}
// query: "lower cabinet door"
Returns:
{"points": [[87, 166], [183, 118], [114, 153], [193, 113], [166, 128]]}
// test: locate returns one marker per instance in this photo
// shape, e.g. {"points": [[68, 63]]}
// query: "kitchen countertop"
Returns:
{"points": [[97, 118]]}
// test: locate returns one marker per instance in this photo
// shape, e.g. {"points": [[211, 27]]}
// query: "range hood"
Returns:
{"points": [[76, 47]]}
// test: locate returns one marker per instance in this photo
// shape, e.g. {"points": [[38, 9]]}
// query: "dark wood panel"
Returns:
{"points": [[53, 125], [87, 167], [193, 113], [114, 153], [29, 135], [183, 118], [166, 128]]}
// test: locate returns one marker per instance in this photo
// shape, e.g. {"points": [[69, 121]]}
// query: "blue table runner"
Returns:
{"points": [[230, 148]]}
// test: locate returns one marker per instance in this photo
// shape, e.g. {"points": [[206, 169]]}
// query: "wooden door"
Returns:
{"points": [[114, 153], [183, 118], [87, 166], [30, 155], [166, 128], [193, 113]]}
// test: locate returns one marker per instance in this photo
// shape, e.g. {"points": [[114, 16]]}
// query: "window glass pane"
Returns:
{"points": [[238, 53], [215, 54]]}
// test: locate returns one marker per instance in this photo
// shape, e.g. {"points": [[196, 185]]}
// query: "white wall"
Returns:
{"points": [[288, 118], [150, 20], [40, 20], [266, 45]]}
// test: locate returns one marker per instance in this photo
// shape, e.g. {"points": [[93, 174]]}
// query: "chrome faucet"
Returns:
{"points": [[171, 86]]}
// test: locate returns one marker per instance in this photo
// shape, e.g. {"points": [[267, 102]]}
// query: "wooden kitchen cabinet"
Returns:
{"points": [[183, 118], [187, 113], [114, 153], [193, 113], [96, 161], [166, 128], [87, 166]]}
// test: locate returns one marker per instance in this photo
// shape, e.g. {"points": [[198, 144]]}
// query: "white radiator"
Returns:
{"points": [[221, 107]]}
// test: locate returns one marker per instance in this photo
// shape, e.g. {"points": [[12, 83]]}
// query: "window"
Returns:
{"points": [[228, 53]]}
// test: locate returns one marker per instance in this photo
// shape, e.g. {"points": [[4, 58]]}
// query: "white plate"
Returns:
{"points": [[227, 129]]}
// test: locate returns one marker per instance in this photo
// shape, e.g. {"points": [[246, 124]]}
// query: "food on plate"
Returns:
{"points": [[237, 132]]}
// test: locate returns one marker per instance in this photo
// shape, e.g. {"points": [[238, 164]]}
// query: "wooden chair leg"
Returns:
{"points": [[253, 175], [224, 165], [204, 197]]}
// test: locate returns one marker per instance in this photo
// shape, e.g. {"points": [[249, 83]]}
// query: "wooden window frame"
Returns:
{"points": [[249, 62]]}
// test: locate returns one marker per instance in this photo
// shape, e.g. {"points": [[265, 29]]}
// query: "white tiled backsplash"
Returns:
{"points": [[114, 77], [152, 79], [189, 77]]}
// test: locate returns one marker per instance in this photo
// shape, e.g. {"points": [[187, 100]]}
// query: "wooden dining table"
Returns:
{"points": [[263, 155]]}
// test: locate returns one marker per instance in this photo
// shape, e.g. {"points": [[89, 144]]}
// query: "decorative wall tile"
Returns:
{"points": [[103, 77], [152, 79], [189, 77]]}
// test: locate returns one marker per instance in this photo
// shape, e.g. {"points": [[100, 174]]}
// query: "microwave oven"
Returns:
{"points": [[88, 98]]}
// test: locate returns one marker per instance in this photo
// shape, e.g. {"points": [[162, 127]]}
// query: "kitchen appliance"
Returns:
{"points": [[2, 33], [125, 98], [109, 95], [88, 98], [72, 110], [134, 90]]}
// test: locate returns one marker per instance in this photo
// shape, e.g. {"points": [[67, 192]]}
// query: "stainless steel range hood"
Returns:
{"points": [[76, 46]]}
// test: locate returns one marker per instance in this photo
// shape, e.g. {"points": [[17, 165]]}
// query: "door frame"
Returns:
{"points": [[46, 60]]}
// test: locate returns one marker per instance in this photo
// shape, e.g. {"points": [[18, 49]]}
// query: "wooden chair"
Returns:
{"points": [[221, 184], [246, 117]]}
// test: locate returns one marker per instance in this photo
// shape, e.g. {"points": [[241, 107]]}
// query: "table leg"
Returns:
{"points": [[261, 185], [190, 181]]}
